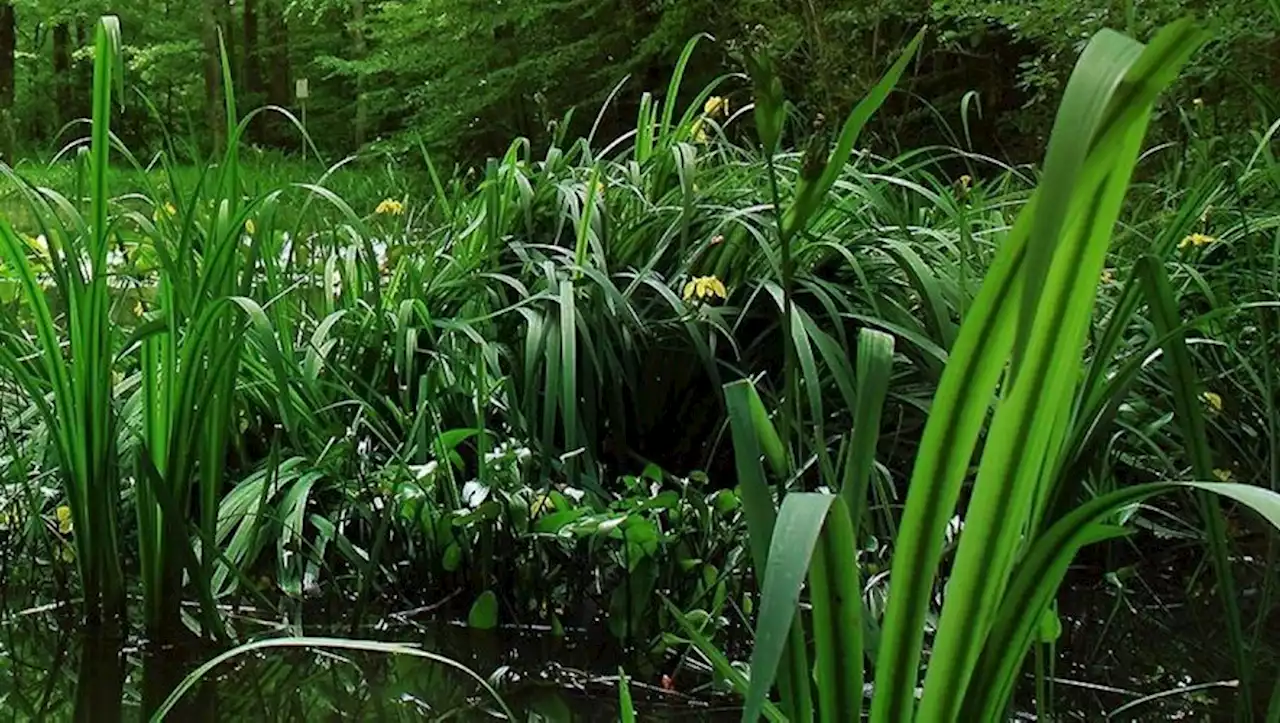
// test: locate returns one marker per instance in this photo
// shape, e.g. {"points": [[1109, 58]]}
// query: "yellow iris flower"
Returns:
{"points": [[390, 207], [1196, 239], [698, 131], [704, 288], [1212, 400], [168, 209]]}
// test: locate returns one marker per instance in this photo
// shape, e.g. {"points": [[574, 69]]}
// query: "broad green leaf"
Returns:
{"points": [[799, 523], [484, 612]]}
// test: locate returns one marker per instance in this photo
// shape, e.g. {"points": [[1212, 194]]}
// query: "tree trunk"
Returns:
{"points": [[62, 79], [361, 49], [83, 71], [212, 75], [8, 51], [252, 62], [8, 48], [277, 54], [251, 66], [222, 16]]}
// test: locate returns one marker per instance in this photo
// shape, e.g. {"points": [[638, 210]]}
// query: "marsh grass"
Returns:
{"points": [[1021, 344], [312, 377]]}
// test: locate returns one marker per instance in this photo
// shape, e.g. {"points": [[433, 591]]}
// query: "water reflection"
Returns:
{"points": [[1110, 655], [99, 692], [52, 672]]}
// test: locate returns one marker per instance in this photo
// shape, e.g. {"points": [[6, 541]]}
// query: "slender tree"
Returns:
{"points": [[62, 79], [361, 49], [8, 55], [252, 60], [277, 55], [212, 74]]}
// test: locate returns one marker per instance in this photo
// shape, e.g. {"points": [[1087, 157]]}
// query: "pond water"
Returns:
{"points": [[49, 671], [1145, 643]]}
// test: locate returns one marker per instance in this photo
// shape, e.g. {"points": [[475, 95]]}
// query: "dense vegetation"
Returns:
{"points": [[466, 76], [661, 363]]}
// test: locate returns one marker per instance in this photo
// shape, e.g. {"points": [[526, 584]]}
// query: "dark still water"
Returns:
{"points": [[1142, 640], [50, 671]]}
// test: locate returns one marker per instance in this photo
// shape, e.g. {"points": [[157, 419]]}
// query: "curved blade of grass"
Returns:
{"points": [[936, 317], [1041, 571], [718, 660], [365, 646]]}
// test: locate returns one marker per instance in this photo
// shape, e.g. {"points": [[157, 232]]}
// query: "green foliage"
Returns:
{"points": [[357, 382], [466, 76], [1023, 337]]}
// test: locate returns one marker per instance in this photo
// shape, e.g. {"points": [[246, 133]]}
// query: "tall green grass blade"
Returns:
{"points": [[753, 434], [1026, 422], [799, 523], [1186, 399], [747, 421], [811, 191], [835, 593], [960, 406], [673, 86], [1105, 109], [626, 709], [569, 370], [875, 367]]}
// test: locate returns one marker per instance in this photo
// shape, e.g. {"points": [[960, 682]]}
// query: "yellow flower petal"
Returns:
{"points": [[390, 207], [1196, 239], [542, 504], [1223, 475], [717, 287], [249, 227], [716, 105], [705, 287], [698, 131], [63, 514], [1212, 400]]}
